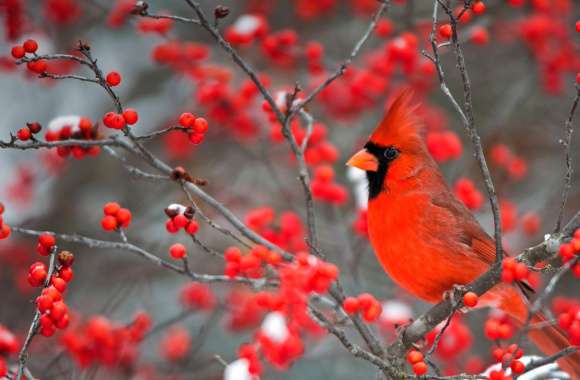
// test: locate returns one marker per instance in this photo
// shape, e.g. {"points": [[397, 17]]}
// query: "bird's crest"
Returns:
{"points": [[400, 125]]}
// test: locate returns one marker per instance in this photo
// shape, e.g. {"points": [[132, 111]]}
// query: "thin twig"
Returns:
{"points": [[567, 144]]}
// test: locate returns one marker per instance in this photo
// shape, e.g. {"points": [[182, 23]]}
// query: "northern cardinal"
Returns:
{"points": [[424, 237]]}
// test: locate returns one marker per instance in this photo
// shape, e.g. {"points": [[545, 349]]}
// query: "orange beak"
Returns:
{"points": [[364, 161]]}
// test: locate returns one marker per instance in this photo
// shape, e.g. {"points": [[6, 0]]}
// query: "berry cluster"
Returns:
{"points": [[455, 342], [512, 270], [498, 326], [115, 120], [158, 26], [37, 66], [569, 320], [286, 230], [325, 189], [73, 127], [177, 251], [180, 217], [181, 56], [570, 250], [197, 127], [466, 191], [4, 228], [508, 356], [279, 338], [25, 134], [251, 264], [50, 303], [100, 341], [515, 166], [415, 358], [281, 47], [444, 145], [366, 304], [115, 217]]}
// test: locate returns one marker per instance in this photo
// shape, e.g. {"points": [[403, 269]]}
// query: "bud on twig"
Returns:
{"points": [[189, 212], [140, 8], [221, 12], [66, 258], [34, 127]]}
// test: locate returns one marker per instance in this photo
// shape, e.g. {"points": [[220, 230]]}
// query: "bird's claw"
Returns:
{"points": [[454, 295]]}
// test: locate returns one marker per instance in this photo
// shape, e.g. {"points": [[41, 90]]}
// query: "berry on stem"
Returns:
{"points": [[470, 299], [30, 46], [445, 31], [177, 251], [18, 52], [113, 78]]}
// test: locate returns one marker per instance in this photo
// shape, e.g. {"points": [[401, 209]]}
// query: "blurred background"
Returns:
{"points": [[522, 56]]}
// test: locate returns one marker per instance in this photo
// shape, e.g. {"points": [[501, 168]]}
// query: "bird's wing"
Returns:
{"points": [[470, 231]]}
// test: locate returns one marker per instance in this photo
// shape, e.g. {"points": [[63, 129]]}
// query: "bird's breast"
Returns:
{"points": [[409, 246]]}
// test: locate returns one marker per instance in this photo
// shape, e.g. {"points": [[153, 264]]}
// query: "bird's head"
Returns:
{"points": [[395, 148]]}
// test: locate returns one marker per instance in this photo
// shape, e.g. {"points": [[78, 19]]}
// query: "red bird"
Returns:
{"points": [[424, 237]]}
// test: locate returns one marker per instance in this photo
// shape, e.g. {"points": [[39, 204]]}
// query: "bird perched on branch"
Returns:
{"points": [[424, 237]]}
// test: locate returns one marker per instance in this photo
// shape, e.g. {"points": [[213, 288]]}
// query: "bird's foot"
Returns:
{"points": [[455, 295]]}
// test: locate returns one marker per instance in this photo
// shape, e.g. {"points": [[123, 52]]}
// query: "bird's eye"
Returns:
{"points": [[391, 153]]}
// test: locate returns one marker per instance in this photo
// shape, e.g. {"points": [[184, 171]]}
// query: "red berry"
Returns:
{"points": [[578, 78], [113, 78], [445, 31], [53, 293], [578, 26], [30, 46], [38, 274], [23, 134], [47, 331], [59, 284], [233, 254], [131, 116], [4, 231], [18, 52], [38, 66], [177, 251], [45, 321], [478, 7], [47, 240], [365, 300], [521, 271], [414, 357], [518, 367], [192, 227], [109, 223], [108, 119], [111, 208], [118, 121], [186, 120], [180, 221], [123, 217], [350, 305], [420, 368], [470, 299], [44, 303], [66, 274], [200, 125], [58, 311], [196, 138]]}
